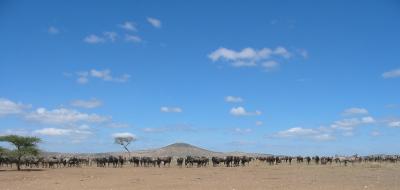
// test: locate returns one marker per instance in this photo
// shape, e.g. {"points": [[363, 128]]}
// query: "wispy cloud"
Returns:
{"points": [[305, 133], [242, 130], [94, 39], [53, 30], [63, 116], [270, 65], [133, 38], [128, 25], [355, 111], [351, 123], [241, 111], [166, 109], [259, 123], [394, 124], [8, 107], [92, 103], [105, 75], [61, 132], [233, 99], [112, 36], [266, 58], [391, 74], [154, 22]]}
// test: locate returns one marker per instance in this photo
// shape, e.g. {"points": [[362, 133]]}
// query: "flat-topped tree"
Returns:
{"points": [[3, 150], [124, 139], [24, 146]]}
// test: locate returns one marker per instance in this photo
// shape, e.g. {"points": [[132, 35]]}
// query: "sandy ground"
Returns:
{"points": [[256, 176]]}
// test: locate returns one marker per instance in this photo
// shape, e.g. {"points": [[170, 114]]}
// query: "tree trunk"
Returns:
{"points": [[19, 163]]}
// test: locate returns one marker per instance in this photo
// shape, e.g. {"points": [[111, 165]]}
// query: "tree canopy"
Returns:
{"points": [[24, 146], [124, 140]]}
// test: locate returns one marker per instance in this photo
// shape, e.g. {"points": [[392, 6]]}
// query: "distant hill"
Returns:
{"points": [[175, 150]]}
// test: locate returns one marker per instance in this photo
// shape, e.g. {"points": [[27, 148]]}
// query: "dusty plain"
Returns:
{"points": [[256, 176]]}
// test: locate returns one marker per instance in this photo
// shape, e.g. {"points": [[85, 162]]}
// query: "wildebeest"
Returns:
{"points": [[179, 161]]}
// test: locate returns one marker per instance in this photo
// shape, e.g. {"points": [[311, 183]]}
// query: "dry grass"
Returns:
{"points": [[256, 176]]}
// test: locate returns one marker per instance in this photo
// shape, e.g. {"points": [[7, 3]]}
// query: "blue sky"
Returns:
{"points": [[295, 77]]}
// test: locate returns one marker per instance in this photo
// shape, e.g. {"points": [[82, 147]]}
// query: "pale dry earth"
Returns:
{"points": [[256, 176]]}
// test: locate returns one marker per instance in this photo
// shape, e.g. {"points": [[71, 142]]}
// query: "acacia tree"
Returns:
{"points": [[124, 139], [24, 146], [3, 151]]}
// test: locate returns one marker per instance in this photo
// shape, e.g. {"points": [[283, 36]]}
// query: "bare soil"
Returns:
{"points": [[256, 176]]}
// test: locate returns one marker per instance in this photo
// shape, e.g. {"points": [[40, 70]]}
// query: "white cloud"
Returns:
{"points": [[52, 132], [53, 30], [94, 39], [128, 26], [283, 52], [171, 109], [249, 57], [270, 65], [299, 132], [112, 36], [241, 111], [63, 116], [154, 22], [242, 131], [8, 107], [259, 123], [75, 133], [355, 111], [132, 38], [394, 124], [105, 75], [351, 123], [124, 135], [391, 74], [233, 99], [93, 103]]}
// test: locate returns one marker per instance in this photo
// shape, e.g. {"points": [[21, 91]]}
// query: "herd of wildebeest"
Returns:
{"points": [[189, 161]]}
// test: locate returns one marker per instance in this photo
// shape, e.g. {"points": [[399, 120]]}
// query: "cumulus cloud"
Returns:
{"points": [[132, 38], [105, 75], [391, 74], [8, 107], [351, 123], [355, 111], [233, 99], [130, 26], [395, 124], [154, 22], [166, 109], [241, 111], [94, 39], [308, 133], [250, 57], [63, 116], [89, 104], [53, 30]]}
